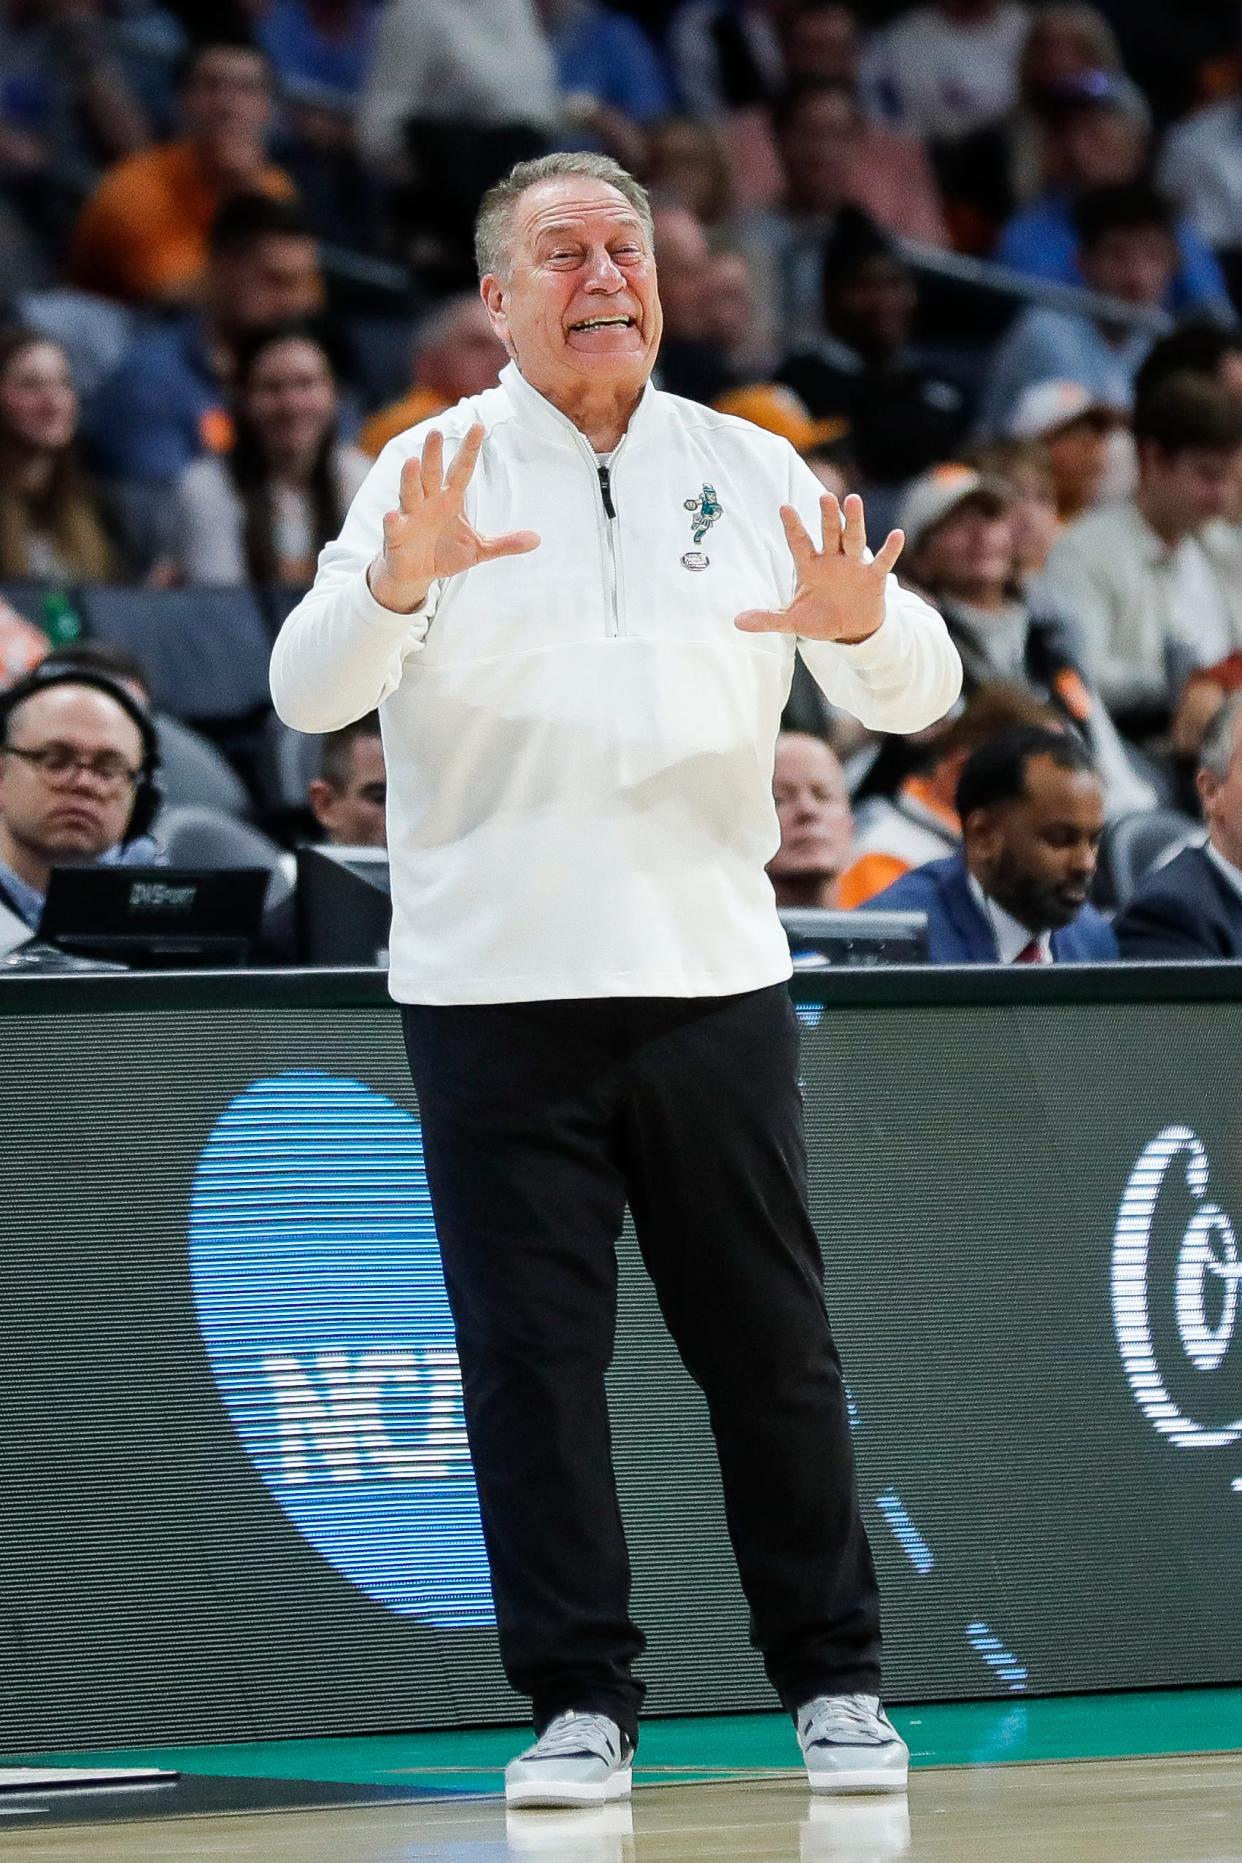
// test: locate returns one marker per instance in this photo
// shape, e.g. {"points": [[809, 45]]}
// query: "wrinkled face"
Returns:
{"points": [[813, 808], [1188, 489], [817, 150], [579, 307], [78, 815], [274, 280], [38, 402], [229, 96], [1222, 803], [290, 397], [969, 553], [1036, 856], [873, 307], [353, 815], [1080, 454], [1135, 264]]}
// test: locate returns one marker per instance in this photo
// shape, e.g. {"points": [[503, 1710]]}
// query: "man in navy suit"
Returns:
{"points": [[1192, 908], [1031, 804]]}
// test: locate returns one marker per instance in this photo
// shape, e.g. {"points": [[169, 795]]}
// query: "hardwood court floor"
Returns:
{"points": [[1183, 1810]]}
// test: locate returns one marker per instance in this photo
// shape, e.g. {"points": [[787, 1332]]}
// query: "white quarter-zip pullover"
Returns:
{"points": [[579, 741]]}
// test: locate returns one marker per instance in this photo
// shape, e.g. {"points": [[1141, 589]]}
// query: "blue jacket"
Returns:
{"points": [[1185, 910], [959, 933]]}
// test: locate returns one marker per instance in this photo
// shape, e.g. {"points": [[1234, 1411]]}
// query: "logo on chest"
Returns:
{"points": [[705, 510]]}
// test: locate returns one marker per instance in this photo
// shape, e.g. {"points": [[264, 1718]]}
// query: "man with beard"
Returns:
{"points": [[1031, 804]]}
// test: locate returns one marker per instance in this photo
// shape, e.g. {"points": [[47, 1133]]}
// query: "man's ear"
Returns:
{"points": [[495, 296], [320, 796]]}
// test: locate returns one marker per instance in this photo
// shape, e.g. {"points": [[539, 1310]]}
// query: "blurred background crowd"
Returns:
{"points": [[980, 260]]}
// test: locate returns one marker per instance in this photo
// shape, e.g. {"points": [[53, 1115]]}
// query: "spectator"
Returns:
{"points": [[733, 316], [1192, 907], [692, 362], [1031, 805], [51, 526], [832, 159], [169, 400], [144, 234], [1065, 42], [688, 165], [919, 822], [960, 551], [66, 95], [1024, 466], [456, 353], [480, 63], [321, 48], [609, 72], [726, 55], [1153, 593], [1127, 251], [813, 810], [947, 68], [1201, 169], [1197, 348], [821, 43], [902, 414], [1077, 433], [263, 511], [1097, 132], [348, 796], [75, 750], [777, 409]]}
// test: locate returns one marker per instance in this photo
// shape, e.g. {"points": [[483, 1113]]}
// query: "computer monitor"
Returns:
{"points": [[818, 938], [156, 918], [344, 907]]}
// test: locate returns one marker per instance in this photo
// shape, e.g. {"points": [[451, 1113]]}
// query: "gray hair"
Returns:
{"points": [[494, 226], [1220, 739]]}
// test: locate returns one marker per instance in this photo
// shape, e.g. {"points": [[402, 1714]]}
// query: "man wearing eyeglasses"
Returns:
{"points": [[71, 758]]}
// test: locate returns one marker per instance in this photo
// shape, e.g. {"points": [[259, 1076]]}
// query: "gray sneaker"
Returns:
{"points": [[578, 1759], [850, 1745]]}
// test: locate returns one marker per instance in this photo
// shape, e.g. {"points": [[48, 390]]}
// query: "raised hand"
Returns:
{"points": [[428, 536], [840, 596]]}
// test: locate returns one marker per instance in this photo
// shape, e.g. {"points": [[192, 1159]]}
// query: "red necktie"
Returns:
{"points": [[1031, 953]]}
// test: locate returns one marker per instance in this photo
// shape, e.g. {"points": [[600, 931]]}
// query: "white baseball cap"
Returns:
{"points": [[1045, 407], [935, 494]]}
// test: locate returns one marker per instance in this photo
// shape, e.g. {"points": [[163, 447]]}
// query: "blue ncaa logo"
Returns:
{"points": [[322, 1305]]}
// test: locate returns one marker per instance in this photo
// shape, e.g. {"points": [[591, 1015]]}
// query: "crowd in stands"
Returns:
{"points": [[979, 260]]}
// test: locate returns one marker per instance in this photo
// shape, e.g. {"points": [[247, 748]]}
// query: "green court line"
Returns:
{"points": [[974, 1733]]}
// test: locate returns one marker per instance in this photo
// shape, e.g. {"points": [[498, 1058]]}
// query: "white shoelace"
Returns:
{"points": [[851, 1719], [576, 1733]]}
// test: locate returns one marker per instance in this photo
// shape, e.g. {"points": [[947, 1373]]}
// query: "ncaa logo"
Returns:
{"points": [[1176, 1271], [322, 1305]]}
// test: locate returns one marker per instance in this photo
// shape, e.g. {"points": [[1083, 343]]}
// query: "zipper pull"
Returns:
{"points": [[605, 491]]}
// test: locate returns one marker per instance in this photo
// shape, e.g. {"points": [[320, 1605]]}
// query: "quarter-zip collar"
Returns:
{"points": [[538, 412]]}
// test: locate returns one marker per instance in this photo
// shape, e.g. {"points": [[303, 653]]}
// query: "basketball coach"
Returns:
{"points": [[576, 601]]}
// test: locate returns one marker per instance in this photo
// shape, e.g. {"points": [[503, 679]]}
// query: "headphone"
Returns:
{"points": [[147, 795]]}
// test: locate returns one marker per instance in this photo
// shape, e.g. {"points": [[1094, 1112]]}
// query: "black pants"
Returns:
{"points": [[540, 1120]]}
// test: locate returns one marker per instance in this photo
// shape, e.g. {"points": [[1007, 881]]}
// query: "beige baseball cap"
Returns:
{"points": [[934, 495], [1045, 407]]}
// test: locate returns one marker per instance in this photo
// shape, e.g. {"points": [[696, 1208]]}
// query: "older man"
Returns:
{"points": [[1192, 907], [75, 750], [579, 728]]}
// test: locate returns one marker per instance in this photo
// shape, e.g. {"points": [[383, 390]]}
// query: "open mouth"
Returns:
{"points": [[604, 323]]}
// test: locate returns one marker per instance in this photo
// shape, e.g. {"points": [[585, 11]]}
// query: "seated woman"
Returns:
{"points": [[52, 527], [263, 512]]}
